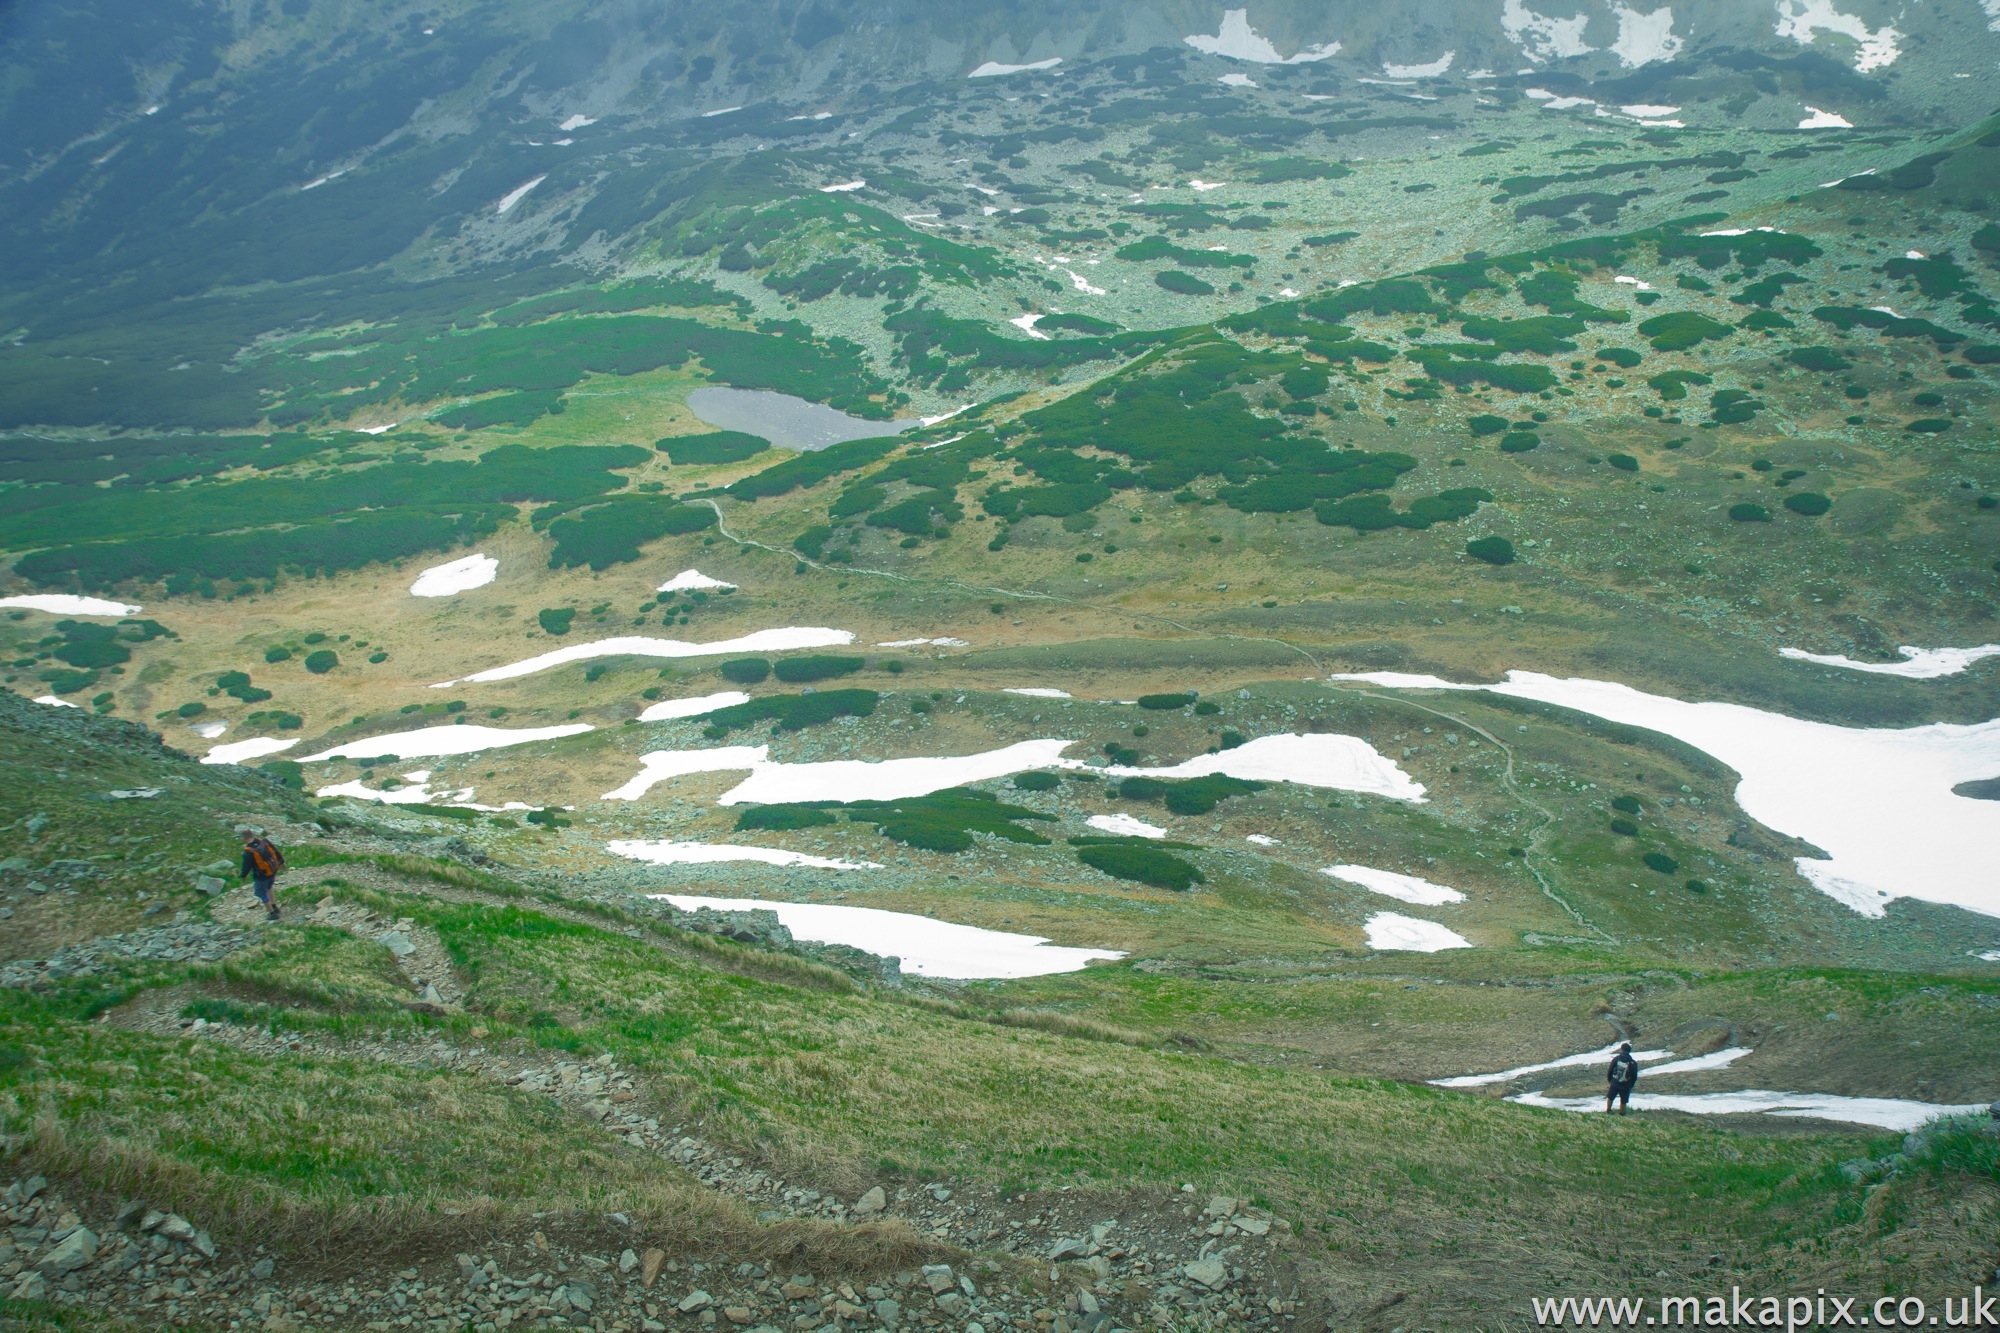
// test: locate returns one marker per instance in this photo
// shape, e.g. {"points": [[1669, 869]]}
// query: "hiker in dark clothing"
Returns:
{"points": [[1621, 1078], [261, 863]]}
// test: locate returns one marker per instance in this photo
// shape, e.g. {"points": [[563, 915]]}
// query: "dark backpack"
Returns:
{"points": [[265, 856]]}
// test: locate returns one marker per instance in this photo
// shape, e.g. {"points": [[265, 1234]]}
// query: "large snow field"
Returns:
{"points": [[1341, 763], [1394, 932], [1878, 801], [255, 748], [926, 947], [635, 645], [668, 709], [1892, 1113], [1405, 888], [432, 742]]}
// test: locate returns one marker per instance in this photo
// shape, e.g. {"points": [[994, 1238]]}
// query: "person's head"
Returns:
{"points": [[245, 832], [1625, 1048]]}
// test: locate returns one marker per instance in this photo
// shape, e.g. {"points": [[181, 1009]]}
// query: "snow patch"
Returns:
{"points": [[1648, 109], [710, 853], [1237, 81], [1042, 692], [1566, 1062], [1825, 120], [1921, 663], [1082, 284], [994, 69], [1644, 38], [1125, 826], [68, 604], [719, 111], [1879, 801], [255, 748], [446, 580], [430, 742], [660, 765], [53, 702], [946, 642], [1542, 37], [1406, 888], [1237, 40], [1394, 932], [1802, 20], [1202, 187], [576, 122], [1261, 839], [515, 195], [668, 709], [1890, 1113], [208, 731], [1430, 71], [763, 641], [1331, 762], [1641, 284], [690, 580], [845, 187], [1026, 324], [1721, 1059], [924, 946]]}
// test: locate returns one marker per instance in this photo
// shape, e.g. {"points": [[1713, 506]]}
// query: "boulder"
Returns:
{"points": [[1069, 1248], [32, 1287], [1210, 1272], [874, 1201], [176, 1227], [939, 1278], [72, 1252], [693, 1301], [627, 1261]]}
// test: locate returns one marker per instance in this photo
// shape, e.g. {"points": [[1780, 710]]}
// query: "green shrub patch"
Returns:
{"points": [[1492, 550], [1823, 360], [1166, 702], [1182, 284], [722, 446], [1929, 426], [1036, 781], [1486, 424], [1846, 318], [1809, 503], [1661, 862], [1142, 862], [1374, 513], [1190, 796], [1159, 247], [1672, 384], [811, 468], [816, 666], [746, 670], [237, 685], [508, 409], [941, 822], [322, 661], [1622, 357], [1681, 330], [1749, 513], [1519, 441], [792, 712], [611, 533], [555, 620]]}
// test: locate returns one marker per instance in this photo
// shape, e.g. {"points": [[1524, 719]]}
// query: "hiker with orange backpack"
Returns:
{"points": [[261, 863]]}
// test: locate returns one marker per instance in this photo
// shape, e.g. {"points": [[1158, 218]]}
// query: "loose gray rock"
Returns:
{"points": [[693, 1301], [1210, 1272], [939, 1278], [75, 1250], [1072, 1248], [874, 1201]]}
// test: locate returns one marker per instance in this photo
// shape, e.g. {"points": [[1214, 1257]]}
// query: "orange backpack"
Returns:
{"points": [[265, 856]]}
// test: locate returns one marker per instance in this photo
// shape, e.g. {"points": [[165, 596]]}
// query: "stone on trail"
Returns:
{"points": [[1071, 1248], [32, 1287], [693, 1301], [1255, 1226], [175, 1227], [208, 886], [1221, 1206], [649, 1267], [262, 1269], [627, 1262], [939, 1278], [1210, 1272], [874, 1201]]}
